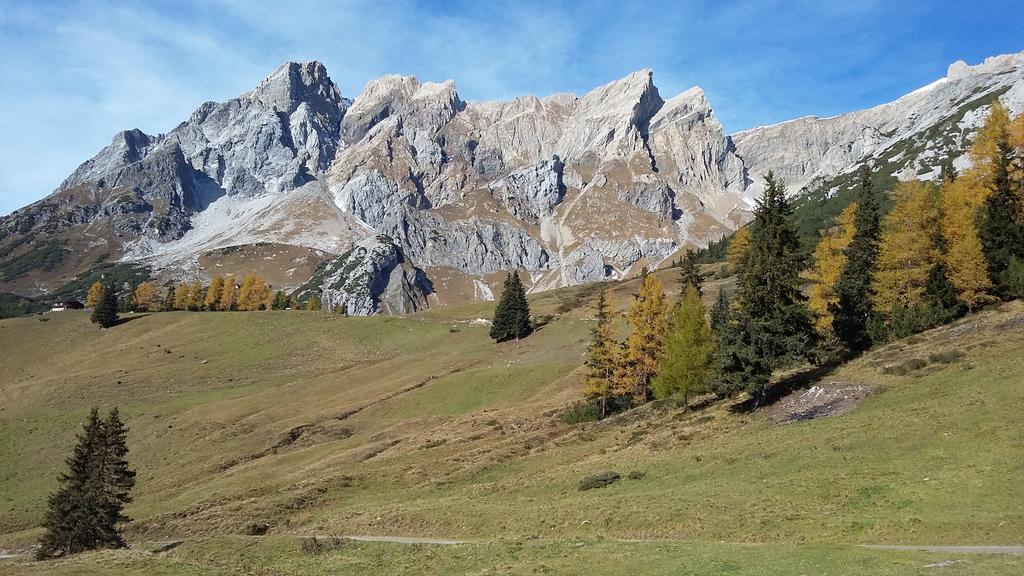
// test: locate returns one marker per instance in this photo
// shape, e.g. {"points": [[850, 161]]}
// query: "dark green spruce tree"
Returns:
{"points": [[512, 313], [689, 273], [105, 312], [1001, 231], [853, 311], [772, 327], [941, 302], [719, 315], [280, 301], [116, 478], [85, 512]]}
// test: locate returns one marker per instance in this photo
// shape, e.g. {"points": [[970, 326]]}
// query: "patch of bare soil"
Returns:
{"points": [[819, 401]]}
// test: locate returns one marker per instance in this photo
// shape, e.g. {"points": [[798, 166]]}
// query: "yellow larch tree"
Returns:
{"points": [[228, 295], [638, 360], [94, 295], [146, 297], [738, 248], [212, 300], [965, 261], [984, 151], [829, 259], [254, 294], [908, 247], [602, 356], [182, 297], [196, 295]]}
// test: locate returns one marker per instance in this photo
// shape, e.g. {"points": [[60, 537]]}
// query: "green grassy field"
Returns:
{"points": [[421, 426]]}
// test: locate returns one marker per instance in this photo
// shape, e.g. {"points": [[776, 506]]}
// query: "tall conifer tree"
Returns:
{"points": [[86, 511], [689, 274], [601, 357], [854, 292], [638, 361], [512, 313], [1001, 231], [105, 312], [773, 326]]}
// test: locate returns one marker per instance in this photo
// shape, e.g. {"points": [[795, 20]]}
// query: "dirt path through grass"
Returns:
{"points": [[1015, 550]]}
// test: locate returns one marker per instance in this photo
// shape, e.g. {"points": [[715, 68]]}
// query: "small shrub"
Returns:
{"points": [[914, 364], [579, 413], [599, 480], [257, 529], [637, 475], [905, 367], [946, 357], [315, 545]]}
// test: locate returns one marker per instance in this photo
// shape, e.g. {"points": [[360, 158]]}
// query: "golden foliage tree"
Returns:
{"points": [[146, 297], [985, 149], [602, 356], [182, 297], [966, 266], [228, 295], [94, 295], [638, 361], [196, 295], [829, 259], [908, 247], [313, 303], [254, 294], [212, 299], [737, 252]]}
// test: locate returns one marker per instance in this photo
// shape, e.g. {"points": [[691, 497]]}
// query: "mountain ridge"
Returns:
{"points": [[568, 188]]}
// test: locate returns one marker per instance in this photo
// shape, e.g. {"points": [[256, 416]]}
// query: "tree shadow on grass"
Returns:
{"points": [[784, 387], [126, 319]]}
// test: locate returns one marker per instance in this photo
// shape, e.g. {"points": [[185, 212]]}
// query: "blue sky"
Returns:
{"points": [[74, 73]]}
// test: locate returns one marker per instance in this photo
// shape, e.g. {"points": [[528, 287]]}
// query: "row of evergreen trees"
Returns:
{"points": [[86, 512], [938, 253]]}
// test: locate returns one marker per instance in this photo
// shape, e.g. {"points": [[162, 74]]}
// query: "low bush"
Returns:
{"points": [[905, 367], [637, 475], [599, 480], [579, 413], [945, 357], [257, 529], [318, 545]]}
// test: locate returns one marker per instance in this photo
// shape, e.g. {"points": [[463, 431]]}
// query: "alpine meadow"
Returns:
{"points": [[400, 331]]}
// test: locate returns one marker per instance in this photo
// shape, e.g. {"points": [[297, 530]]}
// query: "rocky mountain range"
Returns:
{"points": [[408, 196]]}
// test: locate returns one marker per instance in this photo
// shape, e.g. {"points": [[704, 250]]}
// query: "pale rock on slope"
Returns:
{"points": [[373, 277]]}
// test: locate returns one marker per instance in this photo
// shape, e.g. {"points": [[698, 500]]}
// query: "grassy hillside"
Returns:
{"points": [[422, 426]]}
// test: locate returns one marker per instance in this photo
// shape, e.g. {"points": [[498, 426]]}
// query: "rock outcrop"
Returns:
{"points": [[373, 277]]}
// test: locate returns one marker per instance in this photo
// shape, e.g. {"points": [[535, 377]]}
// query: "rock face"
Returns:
{"points": [[373, 277], [909, 137], [569, 188]]}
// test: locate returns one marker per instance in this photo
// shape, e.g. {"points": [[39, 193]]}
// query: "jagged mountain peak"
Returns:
{"points": [[295, 83], [400, 97]]}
